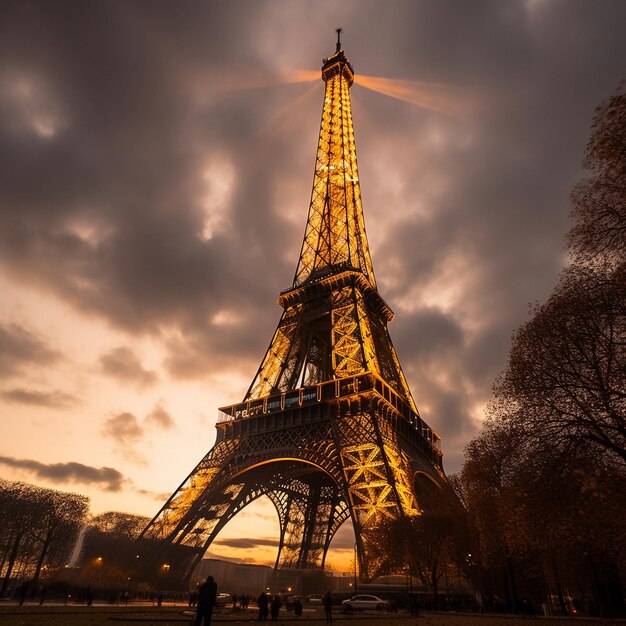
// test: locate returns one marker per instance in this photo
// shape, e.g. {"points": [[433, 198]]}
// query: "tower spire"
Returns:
{"points": [[335, 236], [335, 322]]}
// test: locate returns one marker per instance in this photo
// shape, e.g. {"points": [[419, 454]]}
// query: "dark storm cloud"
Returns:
{"points": [[489, 192], [243, 543], [122, 363], [431, 345], [20, 348], [33, 397], [114, 224], [149, 180], [428, 333], [106, 478]]}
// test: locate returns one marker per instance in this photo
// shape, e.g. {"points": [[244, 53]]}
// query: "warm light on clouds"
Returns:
{"points": [[218, 176], [33, 107], [226, 318]]}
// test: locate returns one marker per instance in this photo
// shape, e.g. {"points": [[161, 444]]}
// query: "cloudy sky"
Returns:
{"points": [[157, 159]]}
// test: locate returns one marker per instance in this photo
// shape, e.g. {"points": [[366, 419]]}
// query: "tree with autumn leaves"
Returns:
{"points": [[545, 481]]}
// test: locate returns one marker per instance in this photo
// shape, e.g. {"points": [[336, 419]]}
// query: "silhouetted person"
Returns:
{"points": [[328, 607], [207, 595], [262, 601], [275, 607], [23, 592], [297, 607]]}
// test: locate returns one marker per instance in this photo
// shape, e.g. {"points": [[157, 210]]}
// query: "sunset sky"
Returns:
{"points": [[156, 161]]}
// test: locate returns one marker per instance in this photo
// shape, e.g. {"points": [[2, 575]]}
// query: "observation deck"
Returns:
{"points": [[268, 413]]}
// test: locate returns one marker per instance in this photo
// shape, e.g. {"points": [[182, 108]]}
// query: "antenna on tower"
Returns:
{"points": [[339, 31]]}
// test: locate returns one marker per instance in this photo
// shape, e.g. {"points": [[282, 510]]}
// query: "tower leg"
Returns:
{"points": [[375, 471]]}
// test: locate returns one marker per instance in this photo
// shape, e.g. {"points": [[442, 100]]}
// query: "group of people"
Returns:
{"points": [[271, 605], [268, 605], [243, 599]]}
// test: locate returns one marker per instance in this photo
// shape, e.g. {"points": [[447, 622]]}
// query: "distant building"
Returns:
{"points": [[343, 583], [233, 577]]}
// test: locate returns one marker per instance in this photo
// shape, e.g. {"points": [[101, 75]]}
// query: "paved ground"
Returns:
{"points": [[59, 615]]}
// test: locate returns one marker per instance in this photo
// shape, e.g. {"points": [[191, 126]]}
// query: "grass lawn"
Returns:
{"points": [[57, 615]]}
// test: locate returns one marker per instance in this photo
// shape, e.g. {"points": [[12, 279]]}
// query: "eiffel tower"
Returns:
{"points": [[328, 429]]}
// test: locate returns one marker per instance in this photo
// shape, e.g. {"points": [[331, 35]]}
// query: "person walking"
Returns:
{"points": [[262, 601], [297, 607], [275, 607], [207, 595], [328, 607]]}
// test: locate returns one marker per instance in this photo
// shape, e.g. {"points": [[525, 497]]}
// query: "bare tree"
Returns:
{"points": [[599, 202], [428, 544], [110, 552], [61, 515], [20, 518], [119, 524], [566, 377], [36, 524]]}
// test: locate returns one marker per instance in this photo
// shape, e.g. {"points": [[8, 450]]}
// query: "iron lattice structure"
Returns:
{"points": [[328, 428]]}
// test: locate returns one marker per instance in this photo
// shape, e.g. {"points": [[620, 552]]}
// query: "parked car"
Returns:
{"points": [[223, 599], [363, 602]]}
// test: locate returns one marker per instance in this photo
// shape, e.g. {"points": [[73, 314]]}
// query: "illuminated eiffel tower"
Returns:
{"points": [[328, 429]]}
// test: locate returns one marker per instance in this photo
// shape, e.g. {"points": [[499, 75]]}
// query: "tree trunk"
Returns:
{"points": [[434, 582], [510, 578], [12, 559], [4, 558], [559, 589], [42, 556]]}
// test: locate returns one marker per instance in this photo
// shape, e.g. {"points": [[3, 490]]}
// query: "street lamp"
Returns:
{"points": [[356, 556]]}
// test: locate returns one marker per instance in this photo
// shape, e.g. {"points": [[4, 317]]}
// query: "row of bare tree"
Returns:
{"points": [[37, 527], [543, 488], [40, 529]]}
